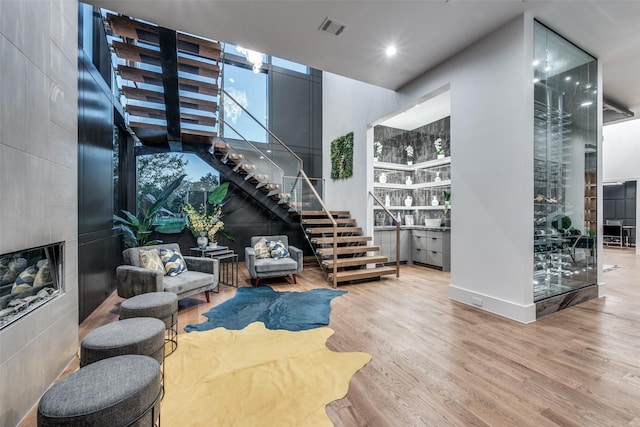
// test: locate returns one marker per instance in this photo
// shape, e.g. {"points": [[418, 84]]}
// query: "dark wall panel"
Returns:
{"points": [[99, 249]]}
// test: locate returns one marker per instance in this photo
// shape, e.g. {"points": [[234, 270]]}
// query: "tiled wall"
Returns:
{"points": [[38, 185], [394, 141]]}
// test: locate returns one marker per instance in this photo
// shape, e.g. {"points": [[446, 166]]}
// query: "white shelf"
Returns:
{"points": [[413, 167], [395, 186], [412, 208]]}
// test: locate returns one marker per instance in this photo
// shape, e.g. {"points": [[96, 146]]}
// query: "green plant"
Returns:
{"points": [[136, 229], [342, 156]]}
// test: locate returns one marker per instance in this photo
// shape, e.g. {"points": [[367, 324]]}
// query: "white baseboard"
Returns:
{"points": [[517, 312]]}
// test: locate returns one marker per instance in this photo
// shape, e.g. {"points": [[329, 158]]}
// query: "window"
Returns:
{"points": [[289, 65], [250, 91]]}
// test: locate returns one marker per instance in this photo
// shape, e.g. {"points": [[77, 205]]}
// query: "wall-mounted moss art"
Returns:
{"points": [[342, 156]]}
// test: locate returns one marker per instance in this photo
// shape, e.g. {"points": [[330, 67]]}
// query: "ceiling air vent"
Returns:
{"points": [[331, 26]]}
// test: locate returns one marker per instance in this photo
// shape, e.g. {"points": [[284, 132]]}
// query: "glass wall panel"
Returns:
{"points": [[565, 166], [250, 90]]}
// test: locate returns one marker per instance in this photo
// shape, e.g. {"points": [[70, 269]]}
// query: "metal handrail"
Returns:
{"points": [[397, 231], [333, 223], [252, 146], [285, 146]]}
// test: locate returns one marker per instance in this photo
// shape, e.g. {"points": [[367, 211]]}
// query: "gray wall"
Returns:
{"points": [[38, 172]]}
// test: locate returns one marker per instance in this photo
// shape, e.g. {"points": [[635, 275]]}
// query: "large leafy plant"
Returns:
{"points": [[137, 229]]}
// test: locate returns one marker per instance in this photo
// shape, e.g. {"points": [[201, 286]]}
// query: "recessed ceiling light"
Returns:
{"points": [[391, 50], [536, 62], [567, 78]]}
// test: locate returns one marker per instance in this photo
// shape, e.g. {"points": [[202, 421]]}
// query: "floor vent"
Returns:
{"points": [[331, 26]]}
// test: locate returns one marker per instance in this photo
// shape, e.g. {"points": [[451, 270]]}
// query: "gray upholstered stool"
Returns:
{"points": [[143, 336], [161, 305], [119, 391]]}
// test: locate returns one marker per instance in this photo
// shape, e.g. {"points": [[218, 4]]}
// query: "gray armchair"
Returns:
{"points": [[269, 267], [201, 275]]}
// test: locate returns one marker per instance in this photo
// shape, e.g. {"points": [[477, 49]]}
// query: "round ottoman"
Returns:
{"points": [[161, 305], [143, 336], [119, 391]]}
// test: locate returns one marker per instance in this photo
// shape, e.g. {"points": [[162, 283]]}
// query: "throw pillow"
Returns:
{"points": [[261, 249], [173, 262], [150, 258], [277, 249]]}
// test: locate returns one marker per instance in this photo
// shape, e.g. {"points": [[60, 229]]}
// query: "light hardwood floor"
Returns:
{"points": [[437, 362]]}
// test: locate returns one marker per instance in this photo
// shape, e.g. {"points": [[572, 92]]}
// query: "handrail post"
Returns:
{"points": [[375, 198]]}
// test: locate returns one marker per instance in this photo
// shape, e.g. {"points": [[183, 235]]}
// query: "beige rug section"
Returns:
{"points": [[255, 377]]}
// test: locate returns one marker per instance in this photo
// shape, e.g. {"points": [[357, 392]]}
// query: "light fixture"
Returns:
{"points": [[536, 62], [536, 80], [586, 104], [547, 68], [391, 50], [567, 78], [256, 58]]}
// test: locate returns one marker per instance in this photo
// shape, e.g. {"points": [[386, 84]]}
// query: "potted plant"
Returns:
{"points": [[439, 150], [204, 224], [377, 150], [409, 150]]}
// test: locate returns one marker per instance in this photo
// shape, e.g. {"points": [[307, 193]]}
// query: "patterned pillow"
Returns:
{"points": [[261, 249], [173, 262], [277, 249], [150, 258]]}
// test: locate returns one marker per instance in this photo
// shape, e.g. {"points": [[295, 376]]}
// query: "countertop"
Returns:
{"points": [[409, 227]]}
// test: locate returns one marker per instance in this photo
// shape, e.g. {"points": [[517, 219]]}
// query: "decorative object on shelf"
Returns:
{"points": [[434, 201], [382, 178], [408, 181], [408, 201], [408, 220], [438, 146], [432, 222], [342, 156], [387, 200], [447, 206], [202, 240], [409, 150], [377, 150], [437, 178]]}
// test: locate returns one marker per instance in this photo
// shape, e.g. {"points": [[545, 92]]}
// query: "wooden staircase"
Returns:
{"points": [[171, 86], [351, 256]]}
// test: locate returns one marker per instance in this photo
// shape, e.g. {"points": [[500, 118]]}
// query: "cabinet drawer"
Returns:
{"points": [[419, 255], [435, 233], [419, 241], [434, 258], [434, 244]]}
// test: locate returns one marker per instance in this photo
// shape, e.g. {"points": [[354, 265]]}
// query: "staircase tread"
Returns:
{"points": [[341, 239], [325, 230], [353, 261], [153, 78], [364, 273], [323, 213], [347, 250], [322, 221]]}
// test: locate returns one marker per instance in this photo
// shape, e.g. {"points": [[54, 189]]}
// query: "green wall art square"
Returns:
{"points": [[342, 156]]}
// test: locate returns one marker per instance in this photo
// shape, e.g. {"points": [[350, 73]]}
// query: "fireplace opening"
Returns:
{"points": [[29, 279]]}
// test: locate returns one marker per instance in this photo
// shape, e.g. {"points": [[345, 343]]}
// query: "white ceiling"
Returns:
{"points": [[426, 32]]}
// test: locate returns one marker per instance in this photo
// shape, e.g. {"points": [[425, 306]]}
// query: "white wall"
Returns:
{"points": [[38, 186], [492, 162], [350, 106]]}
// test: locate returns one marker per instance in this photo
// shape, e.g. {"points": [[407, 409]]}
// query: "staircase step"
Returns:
{"points": [[323, 213], [343, 250], [136, 30], [353, 261], [153, 78], [185, 132], [158, 98], [323, 221], [140, 111], [365, 273], [340, 239], [280, 196], [325, 230], [269, 186], [197, 119]]}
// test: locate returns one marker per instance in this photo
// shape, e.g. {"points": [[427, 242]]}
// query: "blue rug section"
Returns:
{"points": [[293, 311]]}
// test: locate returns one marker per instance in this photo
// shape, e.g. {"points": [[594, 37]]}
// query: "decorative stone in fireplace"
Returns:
{"points": [[29, 279]]}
